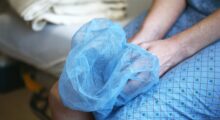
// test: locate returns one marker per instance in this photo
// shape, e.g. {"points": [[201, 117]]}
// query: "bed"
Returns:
{"points": [[46, 49]]}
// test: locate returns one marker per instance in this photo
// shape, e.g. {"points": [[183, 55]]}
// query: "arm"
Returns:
{"points": [[175, 49], [153, 29], [200, 35], [161, 16]]}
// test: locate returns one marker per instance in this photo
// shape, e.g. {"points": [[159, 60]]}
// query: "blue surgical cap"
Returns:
{"points": [[103, 72]]}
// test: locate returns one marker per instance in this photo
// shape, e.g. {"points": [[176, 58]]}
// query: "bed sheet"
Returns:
{"points": [[45, 49], [20, 42]]}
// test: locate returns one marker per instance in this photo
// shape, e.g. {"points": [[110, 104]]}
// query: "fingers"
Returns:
{"points": [[153, 48], [145, 45], [163, 70]]}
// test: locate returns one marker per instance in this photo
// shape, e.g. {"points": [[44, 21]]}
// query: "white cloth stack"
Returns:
{"points": [[67, 12]]}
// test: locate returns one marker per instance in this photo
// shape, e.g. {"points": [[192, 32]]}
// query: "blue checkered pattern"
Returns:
{"points": [[191, 90]]}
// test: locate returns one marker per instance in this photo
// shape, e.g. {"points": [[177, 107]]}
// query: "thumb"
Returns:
{"points": [[162, 71]]}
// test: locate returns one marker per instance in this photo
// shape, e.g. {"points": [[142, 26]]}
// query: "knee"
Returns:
{"points": [[60, 112], [54, 102]]}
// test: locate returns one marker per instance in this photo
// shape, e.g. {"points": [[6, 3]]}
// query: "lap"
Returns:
{"points": [[191, 90]]}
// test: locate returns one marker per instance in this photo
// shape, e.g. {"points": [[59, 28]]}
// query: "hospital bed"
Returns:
{"points": [[46, 49]]}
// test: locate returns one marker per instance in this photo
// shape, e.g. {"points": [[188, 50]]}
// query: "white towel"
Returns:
{"points": [[91, 8], [30, 9], [41, 21], [88, 1], [40, 12]]}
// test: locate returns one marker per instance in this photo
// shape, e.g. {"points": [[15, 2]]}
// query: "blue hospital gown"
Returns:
{"points": [[190, 90]]}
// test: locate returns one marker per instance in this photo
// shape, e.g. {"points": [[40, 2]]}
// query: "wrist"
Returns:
{"points": [[183, 47], [141, 36], [149, 34]]}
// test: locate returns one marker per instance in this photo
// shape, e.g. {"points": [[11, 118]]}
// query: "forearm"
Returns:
{"points": [[200, 35], [161, 17]]}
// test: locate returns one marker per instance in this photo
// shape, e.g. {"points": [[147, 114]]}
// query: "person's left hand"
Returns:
{"points": [[169, 52]]}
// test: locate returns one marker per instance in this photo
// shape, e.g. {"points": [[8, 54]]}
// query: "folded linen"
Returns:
{"points": [[40, 12], [40, 22], [91, 8], [30, 9], [89, 1]]}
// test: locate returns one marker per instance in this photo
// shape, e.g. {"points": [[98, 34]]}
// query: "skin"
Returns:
{"points": [[169, 52], [154, 28], [181, 46], [60, 112]]}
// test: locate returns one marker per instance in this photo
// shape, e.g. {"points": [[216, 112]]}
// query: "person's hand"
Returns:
{"points": [[169, 52], [141, 37]]}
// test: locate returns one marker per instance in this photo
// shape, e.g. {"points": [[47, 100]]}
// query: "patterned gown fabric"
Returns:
{"points": [[191, 90]]}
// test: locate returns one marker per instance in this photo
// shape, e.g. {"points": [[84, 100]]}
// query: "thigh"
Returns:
{"points": [[191, 90]]}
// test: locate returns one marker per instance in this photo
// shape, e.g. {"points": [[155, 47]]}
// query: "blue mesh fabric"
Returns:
{"points": [[103, 72]]}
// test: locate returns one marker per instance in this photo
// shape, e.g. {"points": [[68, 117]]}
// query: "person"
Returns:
{"points": [[184, 35]]}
